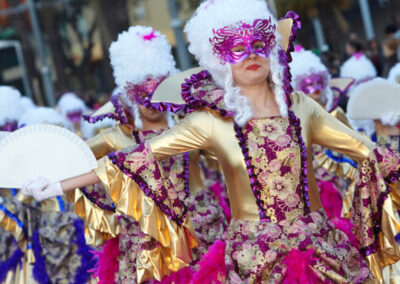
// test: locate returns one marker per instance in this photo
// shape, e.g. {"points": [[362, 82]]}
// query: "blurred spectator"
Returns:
{"points": [[333, 61], [353, 46], [389, 48], [374, 53]]}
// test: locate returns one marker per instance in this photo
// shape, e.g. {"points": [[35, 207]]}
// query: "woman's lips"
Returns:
{"points": [[253, 67]]}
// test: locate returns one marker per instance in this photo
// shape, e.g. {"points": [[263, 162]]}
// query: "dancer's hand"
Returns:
{"points": [[41, 188]]}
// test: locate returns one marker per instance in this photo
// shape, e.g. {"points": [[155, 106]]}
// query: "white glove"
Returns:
{"points": [[41, 188], [390, 118]]}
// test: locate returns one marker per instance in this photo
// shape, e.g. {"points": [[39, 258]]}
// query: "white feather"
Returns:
{"points": [[134, 59], [11, 108]]}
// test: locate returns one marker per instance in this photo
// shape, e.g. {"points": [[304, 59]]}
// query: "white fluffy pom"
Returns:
{"points": [[358, 68], [11, 108], [43, 115]]}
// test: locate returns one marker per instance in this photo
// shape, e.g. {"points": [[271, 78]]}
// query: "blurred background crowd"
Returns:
{"points": [[50, 47]]}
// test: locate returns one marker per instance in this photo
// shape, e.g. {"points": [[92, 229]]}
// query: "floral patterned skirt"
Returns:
{"points": [[259, 252], [207, 218]]}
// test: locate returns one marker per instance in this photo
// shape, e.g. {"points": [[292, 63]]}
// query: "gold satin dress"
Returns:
{"points": [[207, 130]]}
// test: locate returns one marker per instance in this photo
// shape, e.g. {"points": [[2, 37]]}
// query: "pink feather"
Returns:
{"points": [[218, 189], [107, 264], [332, 203], [182, 276], [298, 270], [331, 199], [212, 265]]}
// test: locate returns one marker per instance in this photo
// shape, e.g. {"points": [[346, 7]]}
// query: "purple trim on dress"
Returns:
{"points": [[296, 26], [118, 159], [118, 115], [39, 268], [286, 58], [88, 261], [295, 121], [136, 135], [255, 184], [96, 201], [11, 263], [186, 173]]}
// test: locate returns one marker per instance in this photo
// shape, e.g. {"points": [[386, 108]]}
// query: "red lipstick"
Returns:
{"points": [[253, 67]]}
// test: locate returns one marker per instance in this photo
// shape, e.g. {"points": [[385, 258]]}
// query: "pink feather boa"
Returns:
{"points": [[298, 270], [183, 276], [211, 269], [218, 189], [107, 264], [212, 265], [332, 203]]}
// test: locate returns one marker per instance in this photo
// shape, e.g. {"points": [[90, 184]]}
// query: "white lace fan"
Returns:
{"points": [[43, 150], [372, 99]]}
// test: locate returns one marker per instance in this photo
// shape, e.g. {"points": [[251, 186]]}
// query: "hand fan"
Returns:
{"points": [[372, 99], [43, 150], [4, 134]]}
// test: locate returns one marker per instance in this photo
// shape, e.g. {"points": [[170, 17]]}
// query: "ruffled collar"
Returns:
{"points": [[114, 110], [200, 91]]}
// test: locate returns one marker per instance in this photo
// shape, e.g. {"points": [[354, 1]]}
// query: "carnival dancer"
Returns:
{"points": [[41, 242], [243, 111], [72, 108], [141, 59]]}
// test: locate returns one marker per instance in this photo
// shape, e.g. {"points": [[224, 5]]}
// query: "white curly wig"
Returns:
{"points": [[138, 54], [394, 74], [361, 69], [69, 102], [43, 115], [216, 14], [305, 62], [11, 108]]}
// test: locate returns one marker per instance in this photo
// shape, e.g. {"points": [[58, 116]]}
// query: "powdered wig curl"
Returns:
{"points": [[216, 14]]}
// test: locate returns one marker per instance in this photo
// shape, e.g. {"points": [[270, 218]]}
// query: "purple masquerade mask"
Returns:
{"points": [[138, 93], [235, 43], [312, 83]]}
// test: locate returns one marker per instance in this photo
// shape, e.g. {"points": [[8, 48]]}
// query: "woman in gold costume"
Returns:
{"points": [[128, 254], [243, 111]]}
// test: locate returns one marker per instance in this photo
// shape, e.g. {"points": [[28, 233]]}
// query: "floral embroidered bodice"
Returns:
{"points": [[275, 156]]}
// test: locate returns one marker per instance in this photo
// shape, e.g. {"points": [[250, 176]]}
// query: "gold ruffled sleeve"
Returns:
{"points": [[100, 222], [373, 214], [100, 225], [149, 203]]}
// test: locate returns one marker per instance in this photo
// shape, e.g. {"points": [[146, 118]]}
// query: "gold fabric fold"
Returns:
{"points": [[10, 225], [100, 225], [341, 170], [177, 241], [23, 274]]}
